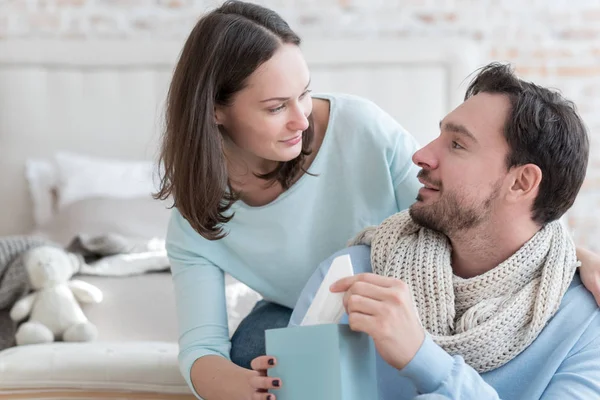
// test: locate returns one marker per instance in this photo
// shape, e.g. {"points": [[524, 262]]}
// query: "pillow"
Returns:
{"points": [[143, 218], [81, 177], [67, 178], [42, 181]]}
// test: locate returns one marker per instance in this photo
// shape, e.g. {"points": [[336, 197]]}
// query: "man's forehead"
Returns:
{"points": [[482, 115]]}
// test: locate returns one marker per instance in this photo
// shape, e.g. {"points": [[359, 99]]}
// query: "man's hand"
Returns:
{"points": [[383, 308], [261, 382]]}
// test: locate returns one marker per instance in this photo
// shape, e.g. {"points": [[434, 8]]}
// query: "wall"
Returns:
{"points": [[553, 42]]}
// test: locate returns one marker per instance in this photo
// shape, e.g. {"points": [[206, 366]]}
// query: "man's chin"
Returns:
{"points": [[423, 217], [416, 212]]}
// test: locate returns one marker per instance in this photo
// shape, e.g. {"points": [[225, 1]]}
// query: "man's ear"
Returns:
{"points": [[526, 181]]}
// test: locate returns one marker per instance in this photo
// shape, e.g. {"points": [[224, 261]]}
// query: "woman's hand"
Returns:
{"points": [[260, 382], [590, 271]]}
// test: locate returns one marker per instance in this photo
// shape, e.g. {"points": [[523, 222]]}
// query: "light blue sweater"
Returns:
{"points": [[562, 363], [364, 175]]}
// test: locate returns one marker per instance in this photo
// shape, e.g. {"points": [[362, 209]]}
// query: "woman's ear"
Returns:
{"points": [[219, 115]]}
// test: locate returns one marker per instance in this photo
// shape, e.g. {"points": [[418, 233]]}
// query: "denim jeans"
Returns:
{"points": [[248, 341]]}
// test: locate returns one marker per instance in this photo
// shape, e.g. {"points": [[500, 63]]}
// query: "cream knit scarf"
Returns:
{"points": [[488, 319]]}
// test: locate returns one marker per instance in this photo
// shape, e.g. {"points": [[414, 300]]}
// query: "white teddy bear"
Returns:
{"points": [[53, 308]]}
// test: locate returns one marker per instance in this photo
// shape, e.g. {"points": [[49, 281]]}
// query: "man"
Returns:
{"points": [[475, 293]]}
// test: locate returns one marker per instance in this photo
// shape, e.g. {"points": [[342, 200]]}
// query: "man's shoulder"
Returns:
{"points": [[579, 315]]}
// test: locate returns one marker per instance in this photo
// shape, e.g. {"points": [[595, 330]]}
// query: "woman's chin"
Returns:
{"points": [[289, 154]]}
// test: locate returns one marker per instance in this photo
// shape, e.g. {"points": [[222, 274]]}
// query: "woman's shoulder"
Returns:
{"points": [[181, 237], [361, 121], [354, 108]]}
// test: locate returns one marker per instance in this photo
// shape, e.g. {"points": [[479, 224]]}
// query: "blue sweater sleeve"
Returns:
{"points": [[200, 299], [438, 375]]}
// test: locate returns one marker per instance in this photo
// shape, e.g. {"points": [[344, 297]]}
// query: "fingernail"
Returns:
{"points": [[271, 361], [276, 383]]}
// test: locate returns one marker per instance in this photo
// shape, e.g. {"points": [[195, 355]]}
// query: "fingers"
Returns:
{"points": [[263, 383], [366, 289], [359, 303], [391, 295], [595, 289], [263, 363], [359, 322], [345, 283], [263, 396], [593, 285]]}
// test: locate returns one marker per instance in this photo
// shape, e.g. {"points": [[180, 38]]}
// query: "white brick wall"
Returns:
{"points": [[553, 42]]}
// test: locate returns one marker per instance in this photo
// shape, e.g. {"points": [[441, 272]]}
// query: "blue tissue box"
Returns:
{"points": [[323, 362]]}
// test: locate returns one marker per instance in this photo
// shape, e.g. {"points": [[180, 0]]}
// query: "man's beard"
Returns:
{"points": [[450, 214]]}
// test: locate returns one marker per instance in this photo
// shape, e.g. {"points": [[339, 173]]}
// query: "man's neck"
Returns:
{"points": [[483, 248]]}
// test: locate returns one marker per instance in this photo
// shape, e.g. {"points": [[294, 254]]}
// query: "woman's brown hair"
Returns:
{"points": [[225, 47]]}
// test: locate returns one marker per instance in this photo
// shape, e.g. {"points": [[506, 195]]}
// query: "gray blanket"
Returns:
{"points": [[117, 255], [14, 282]]}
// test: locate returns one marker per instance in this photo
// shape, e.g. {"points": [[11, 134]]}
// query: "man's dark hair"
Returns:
{"points": [[542, 128]]}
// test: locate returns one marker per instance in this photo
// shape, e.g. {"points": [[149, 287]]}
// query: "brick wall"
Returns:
{"points": [[553, 42]]}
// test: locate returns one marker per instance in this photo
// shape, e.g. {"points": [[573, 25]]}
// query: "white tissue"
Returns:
{"points": [[327, 307]]}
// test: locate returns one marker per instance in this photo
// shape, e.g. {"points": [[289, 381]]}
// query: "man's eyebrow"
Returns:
{"points": [[456, 128], [283, 98]]}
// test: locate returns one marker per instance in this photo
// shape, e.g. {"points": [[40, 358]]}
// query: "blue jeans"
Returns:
{"points": [[248, 341]]}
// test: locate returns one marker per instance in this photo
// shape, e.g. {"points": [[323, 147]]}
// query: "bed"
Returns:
{"points": [[80, 122]]}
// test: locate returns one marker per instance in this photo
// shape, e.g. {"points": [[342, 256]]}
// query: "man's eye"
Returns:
{"points": [[457, 146]]}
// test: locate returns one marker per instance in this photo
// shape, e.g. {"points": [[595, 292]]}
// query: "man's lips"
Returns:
{"points": [[427, 185]]}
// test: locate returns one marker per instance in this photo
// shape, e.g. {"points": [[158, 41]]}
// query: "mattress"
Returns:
{"points": [[95, 370]]}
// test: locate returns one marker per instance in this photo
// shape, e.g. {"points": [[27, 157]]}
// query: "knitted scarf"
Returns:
{"points": [[488, 319]]}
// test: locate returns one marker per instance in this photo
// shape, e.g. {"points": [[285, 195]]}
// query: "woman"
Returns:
{"points": [[267, 182]]}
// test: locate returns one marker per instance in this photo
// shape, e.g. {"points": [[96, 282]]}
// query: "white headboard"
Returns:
{"points": [[105, 98]]}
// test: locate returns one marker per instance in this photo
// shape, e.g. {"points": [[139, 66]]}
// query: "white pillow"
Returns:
{"points": [[143, 218], [42, 180], [83, 177]]}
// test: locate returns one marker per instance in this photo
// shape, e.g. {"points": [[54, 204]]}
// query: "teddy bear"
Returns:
{"points": [[53, 305]]}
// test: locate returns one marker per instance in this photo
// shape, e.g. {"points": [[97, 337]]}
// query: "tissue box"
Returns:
{"points": [[323, 362]]}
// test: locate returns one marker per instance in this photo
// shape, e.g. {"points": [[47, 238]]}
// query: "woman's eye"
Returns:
{"points": [[277, 109], [303, 95]]}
